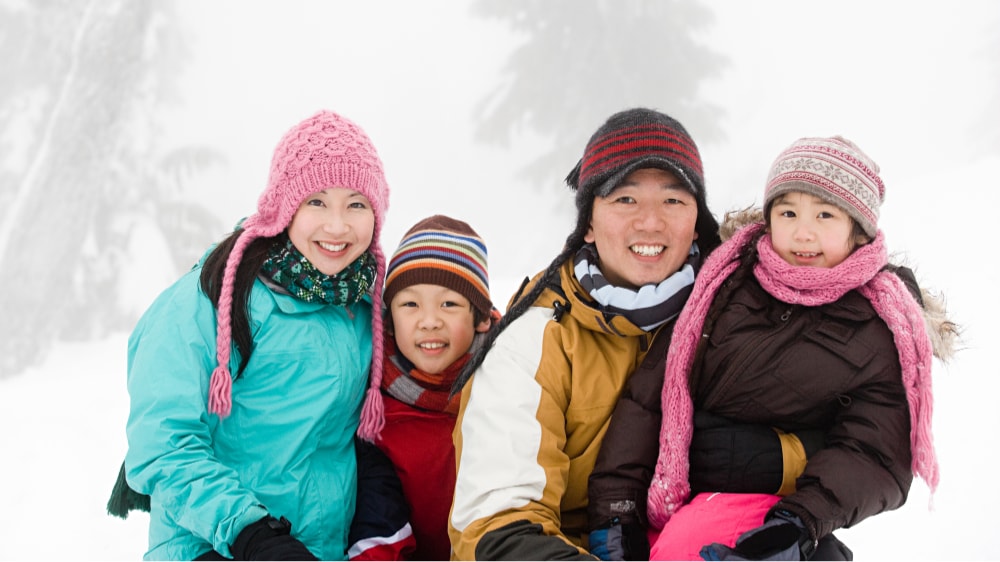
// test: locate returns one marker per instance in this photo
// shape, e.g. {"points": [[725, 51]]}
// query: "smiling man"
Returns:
{"points": [[541, 393]]}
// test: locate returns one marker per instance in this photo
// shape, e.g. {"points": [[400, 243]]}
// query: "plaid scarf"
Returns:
{"points": [[650, 306], [404, 382], [290, 270], [862, 271]]}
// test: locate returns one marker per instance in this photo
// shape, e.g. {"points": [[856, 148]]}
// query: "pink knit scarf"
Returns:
{"points": [[808, 286]]}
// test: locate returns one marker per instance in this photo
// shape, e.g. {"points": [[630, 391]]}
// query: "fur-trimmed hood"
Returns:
{"points": [[944, 333]]}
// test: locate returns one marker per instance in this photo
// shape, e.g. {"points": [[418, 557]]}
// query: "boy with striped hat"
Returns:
{"points": [[438, 301]]}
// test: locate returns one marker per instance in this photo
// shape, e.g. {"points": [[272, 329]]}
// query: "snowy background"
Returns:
{"points": [[915, 84]]}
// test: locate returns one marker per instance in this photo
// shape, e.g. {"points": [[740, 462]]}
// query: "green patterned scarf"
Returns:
{"points": [[289, 269]]}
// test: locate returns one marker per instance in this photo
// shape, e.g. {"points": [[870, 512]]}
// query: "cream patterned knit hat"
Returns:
{"points": [[833, 169]]}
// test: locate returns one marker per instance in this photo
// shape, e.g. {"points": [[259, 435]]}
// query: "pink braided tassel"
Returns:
{"points": [[220, 398], [373, 411], [372, 415]]}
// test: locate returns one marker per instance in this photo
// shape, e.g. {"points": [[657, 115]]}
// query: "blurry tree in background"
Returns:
{"points": [[582, 61], [81, 165]]}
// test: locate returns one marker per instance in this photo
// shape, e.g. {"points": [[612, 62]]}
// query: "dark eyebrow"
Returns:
{"points": [[674, 186]]}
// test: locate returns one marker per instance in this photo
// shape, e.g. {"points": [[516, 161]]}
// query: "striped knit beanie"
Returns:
{"points": [[323, 151], [833, 169], [642, 138], [440, 250]]}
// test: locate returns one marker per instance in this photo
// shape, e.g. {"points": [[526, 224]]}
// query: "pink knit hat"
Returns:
{"points": [[326, 150]]}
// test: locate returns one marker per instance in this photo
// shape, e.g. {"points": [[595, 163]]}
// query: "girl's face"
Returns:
{"points": [[332, 228], [807, 231], [644, 228]]}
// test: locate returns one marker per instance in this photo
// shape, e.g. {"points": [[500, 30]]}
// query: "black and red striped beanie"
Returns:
{"points": [[642, 138]]}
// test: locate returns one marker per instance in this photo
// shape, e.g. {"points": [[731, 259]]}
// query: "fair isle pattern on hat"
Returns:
{"points": [[321, 152], [833, 169], [440, 250], [634, 139]]}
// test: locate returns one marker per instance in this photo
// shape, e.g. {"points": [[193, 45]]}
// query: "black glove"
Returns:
{"points": [[619, 541], [782, 537], [727, 456], [269, 539]]}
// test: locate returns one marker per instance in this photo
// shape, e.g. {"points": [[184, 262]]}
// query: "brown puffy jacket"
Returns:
{"points": [[832, 368]]}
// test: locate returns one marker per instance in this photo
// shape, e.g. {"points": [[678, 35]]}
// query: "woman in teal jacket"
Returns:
{"points": [[247, 377]]}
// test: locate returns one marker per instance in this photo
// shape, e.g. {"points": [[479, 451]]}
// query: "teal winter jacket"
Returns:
{"points": [[287, 447]]}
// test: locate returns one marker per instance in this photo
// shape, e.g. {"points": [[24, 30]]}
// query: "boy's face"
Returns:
{"points": [[433, 326], [644, 228], [808, 231]]}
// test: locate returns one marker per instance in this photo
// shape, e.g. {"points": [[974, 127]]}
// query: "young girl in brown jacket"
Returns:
{"points": [[800, 323]]}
